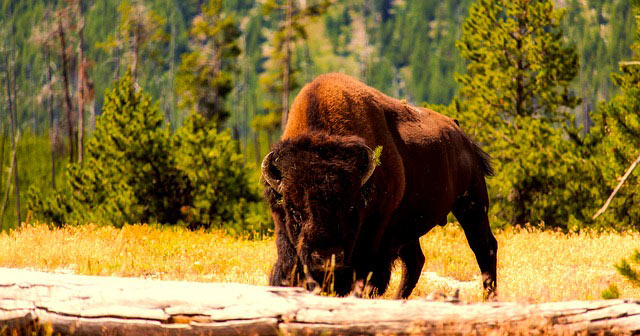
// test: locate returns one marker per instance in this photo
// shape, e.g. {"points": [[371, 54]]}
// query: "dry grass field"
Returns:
{"points": [[533, 266]]}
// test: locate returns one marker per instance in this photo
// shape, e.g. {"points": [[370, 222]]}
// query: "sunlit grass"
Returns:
{"points": [[532, 266], [139, 251]]}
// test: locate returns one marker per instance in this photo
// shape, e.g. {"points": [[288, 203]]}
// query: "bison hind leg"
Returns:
{"points": [[471, 211]]}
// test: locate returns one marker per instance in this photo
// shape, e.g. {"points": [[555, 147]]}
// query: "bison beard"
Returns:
{"points": [[338, 214]]}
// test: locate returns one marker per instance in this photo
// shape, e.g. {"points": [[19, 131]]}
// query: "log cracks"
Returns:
{"points": [[84, 305]]}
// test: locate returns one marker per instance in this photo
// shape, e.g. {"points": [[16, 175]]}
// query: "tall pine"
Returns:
{"points": [[515, 101]]}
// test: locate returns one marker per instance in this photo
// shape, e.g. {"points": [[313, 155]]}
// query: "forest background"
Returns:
{"points": [[410, 49]]}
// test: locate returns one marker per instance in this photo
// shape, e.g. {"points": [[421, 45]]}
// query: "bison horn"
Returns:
{"points": [[266, 173], [372, 165]]}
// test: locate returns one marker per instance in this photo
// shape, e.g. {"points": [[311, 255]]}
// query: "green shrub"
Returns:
{"points": [[55, 209], [612, 292], [222, 190], [628, 271]]}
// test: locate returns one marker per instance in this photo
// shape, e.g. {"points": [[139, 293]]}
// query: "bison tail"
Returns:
{"points": [[484, 159]]}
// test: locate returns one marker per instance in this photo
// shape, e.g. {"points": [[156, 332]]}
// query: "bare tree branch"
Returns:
{"points": [[624, 178]]}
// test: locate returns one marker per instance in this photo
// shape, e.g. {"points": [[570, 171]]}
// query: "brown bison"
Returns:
{"points": [[336, 205]]}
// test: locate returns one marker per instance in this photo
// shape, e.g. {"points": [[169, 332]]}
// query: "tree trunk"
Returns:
{"points": [[51, 126], [256, 147], [85, 305], [116, 62], [67, 95], [81, 81], [9, 100], [92, 117], [11, 105], [8, 187], [16, 133], [116, 56], [170, 96], [286, 72], [216, 95], [135, 48], [2, 146]]}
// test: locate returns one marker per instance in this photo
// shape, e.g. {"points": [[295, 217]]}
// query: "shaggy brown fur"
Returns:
{"points": [[428, 169]]}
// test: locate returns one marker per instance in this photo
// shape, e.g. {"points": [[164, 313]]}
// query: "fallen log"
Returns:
{"points": [[94, 305]]}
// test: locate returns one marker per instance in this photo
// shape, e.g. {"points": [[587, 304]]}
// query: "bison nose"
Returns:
{"points": [[328, 259]]}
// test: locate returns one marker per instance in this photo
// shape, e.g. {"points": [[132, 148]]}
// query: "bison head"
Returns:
{"points": [[314, 184]]}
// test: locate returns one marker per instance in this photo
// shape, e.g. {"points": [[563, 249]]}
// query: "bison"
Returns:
{"points": [[339, 207]]}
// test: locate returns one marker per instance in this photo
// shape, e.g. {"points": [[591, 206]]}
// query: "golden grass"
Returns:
{"points": [[138, 251], [532, 266]]}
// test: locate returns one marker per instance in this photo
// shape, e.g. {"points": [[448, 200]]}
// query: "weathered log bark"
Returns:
{"points": [[85, 305]]}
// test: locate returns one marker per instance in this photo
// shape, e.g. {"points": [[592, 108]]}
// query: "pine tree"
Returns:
{"points": [[206, 73], [618, 122], [129, 175], [223, 191], [515, 101], [520, 66]]}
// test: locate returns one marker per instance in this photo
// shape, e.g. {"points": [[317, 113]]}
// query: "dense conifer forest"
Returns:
{"points": [[409, 49]]}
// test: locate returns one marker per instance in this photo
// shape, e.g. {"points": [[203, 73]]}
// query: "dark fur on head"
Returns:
{"points": [[320, 204], [343, 156]]}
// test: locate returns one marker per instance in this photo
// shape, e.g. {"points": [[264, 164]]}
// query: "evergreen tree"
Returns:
{"points": [[515, 101], [206, 73], [224, 192], [129, 175], [618, 123], [289, 18], [138, 35], [520, 66]]}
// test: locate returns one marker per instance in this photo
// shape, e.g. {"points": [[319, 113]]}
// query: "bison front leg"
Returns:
{"points": [[471, 212], [412, 262], [286, 271]]}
